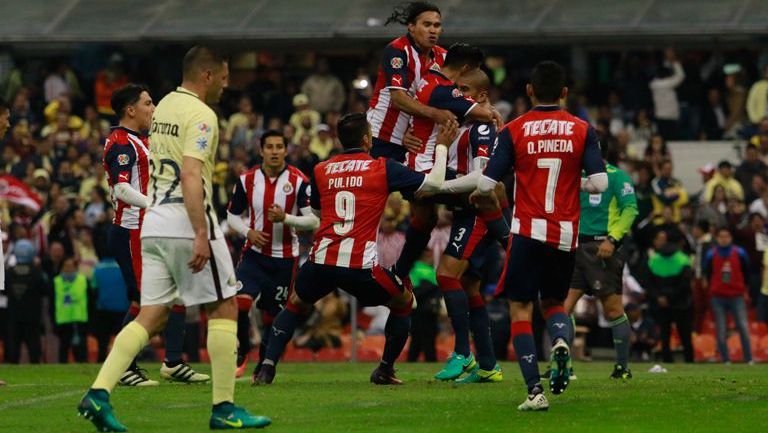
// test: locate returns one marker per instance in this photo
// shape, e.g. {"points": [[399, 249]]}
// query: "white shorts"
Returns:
{"points": [[166, 278]]}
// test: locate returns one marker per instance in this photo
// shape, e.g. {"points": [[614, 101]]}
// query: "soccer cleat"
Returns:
{"points": [[456, 366], [479, 375], [136, 377], [263, 375], [620, 372], [230, 417], [96, 409], [571, 376], [242, 364], [182, 373], [534, 402], [560, 367], [382, 376]]}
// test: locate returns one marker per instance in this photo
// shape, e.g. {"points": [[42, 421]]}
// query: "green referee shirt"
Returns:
{"points": [[611, 212]]}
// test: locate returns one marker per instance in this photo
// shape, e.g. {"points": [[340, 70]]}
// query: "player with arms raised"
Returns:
{"points": [[349, 192], [183, 249], [547, 148]]}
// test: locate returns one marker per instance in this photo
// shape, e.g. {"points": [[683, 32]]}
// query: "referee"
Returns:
{"points": [[605, 220]]}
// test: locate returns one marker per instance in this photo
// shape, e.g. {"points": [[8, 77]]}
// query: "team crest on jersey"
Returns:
{"points": [[203, 127], [396, 63], [627, 190], [288, 188], [435, 67], [123, 159], [457, 93]]}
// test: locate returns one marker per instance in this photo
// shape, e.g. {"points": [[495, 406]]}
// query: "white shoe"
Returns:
{"points": [[182, 373], [534, 402], [136, 377]]}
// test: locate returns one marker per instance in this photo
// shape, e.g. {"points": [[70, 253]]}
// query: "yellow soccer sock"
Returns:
{"points": [[128, 344], [222, 348]]}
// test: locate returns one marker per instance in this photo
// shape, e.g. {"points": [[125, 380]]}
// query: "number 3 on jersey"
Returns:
{"points": [[553, 166], [345, 209]]}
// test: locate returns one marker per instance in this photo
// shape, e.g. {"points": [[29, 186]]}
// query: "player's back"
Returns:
{"points": [[549, 148], [352, 188], [182, 125]]}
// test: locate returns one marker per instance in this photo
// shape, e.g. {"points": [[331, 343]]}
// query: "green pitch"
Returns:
{"points": [[338, 398]]}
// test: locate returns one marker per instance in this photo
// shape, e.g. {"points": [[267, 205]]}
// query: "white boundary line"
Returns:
{"points": [[37, 400]]}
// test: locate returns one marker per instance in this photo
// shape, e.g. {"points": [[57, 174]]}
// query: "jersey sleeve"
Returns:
{"points": [[592, 161], [451, 99], [626, 202], [502, 156], [401, 178], [119, 161], [394, 63], [239, 201], [481, 138], [302, 195], [199, 136]]}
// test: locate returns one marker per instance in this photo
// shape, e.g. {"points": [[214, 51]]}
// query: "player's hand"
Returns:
{"points": [[447, 133], [485, 203], [201, 253], [477, 197], [443, 117], [421, 195], [257, 238], [606, 249], [498, 120], [411, 143], [276, 214]]}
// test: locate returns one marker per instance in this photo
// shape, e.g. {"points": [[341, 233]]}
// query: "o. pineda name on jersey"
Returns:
{"points": [[346, 167], [549, 127]]}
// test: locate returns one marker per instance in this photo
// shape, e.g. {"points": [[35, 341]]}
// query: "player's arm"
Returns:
{"points": [[306, 221], [501, 160], [593, 164], [401, 178], [120, 159], [481, 138], [627, 206], [238, 205], [193, 192]]}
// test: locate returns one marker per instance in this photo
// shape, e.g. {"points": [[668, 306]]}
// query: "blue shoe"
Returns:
{"points": [[229, 417], [95, 407], [456, 366]]}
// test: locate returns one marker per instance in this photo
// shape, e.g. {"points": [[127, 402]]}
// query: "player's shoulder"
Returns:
{"points": [[437, 50], [296, 172], [399, 44]]}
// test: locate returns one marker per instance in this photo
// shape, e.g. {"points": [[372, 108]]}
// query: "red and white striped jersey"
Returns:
{"points": [[350, 190], [126, 159], [474, 141], [402, 67], [255, 193], [437, 91], [547, 147]]}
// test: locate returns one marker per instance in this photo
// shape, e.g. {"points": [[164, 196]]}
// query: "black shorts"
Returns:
{"points": [[594, 276], [381, 148], [371, 287], [468, 235], [266, 279], [535, 270], [125, 244]]}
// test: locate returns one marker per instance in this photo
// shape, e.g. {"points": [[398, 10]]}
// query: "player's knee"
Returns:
{"points": [[402, 305], [226, 309], [612, 307], [297, 306], [547, 304]]}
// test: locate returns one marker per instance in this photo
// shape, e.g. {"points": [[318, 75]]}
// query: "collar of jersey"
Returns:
{"points": [[441, 75], [128, 130], [266, 176], [187, 91], [546, 108], [431, 53], [353, 150]]}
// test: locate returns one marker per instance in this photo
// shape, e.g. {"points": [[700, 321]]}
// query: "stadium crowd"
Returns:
{"points": [[54, 230]]}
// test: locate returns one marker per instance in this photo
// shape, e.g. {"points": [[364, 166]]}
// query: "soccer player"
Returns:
{"points": [[126, 163], [349, 192], [547, 148], [183, 250], [275, 199], [404, 63], [5, 115], [605, 219]]}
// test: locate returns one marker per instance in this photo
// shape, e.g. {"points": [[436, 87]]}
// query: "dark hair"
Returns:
{"points": [[649, 148], [753, 215], [724, 229], [4, 106], [724, 163], [125, 96], [201, 57], [703, 225], [548, 81], [273, 133], [351, 129], [462, 54], [751, 146], [407, 13]]}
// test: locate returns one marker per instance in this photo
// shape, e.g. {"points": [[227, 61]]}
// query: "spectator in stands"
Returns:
{"points": [[500, 104], [323, 143], [752, 238], [643, 192], [304, 119], [248, 135], [239, 118], [751, 166], [714, 115], [668, 191], [424, 319], [26, 286], [656, 152], [390, 241], [301, 158], [55, 84], [702, 243], [324, 90], [107, 81], [762, 302], [727, 267], [643, 128], [644, 337], [735, 99], [669, 295], [324, 328], [70, 303], [757, 99], [663, 89], [724, 177], [760, 139], [111, 302]]}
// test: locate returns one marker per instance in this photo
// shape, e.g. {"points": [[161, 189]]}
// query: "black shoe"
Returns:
{"points": [[264, 375], [620, 372], [382, 376]]}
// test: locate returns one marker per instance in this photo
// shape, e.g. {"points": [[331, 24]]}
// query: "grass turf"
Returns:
{"points": [[325, 397]]}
